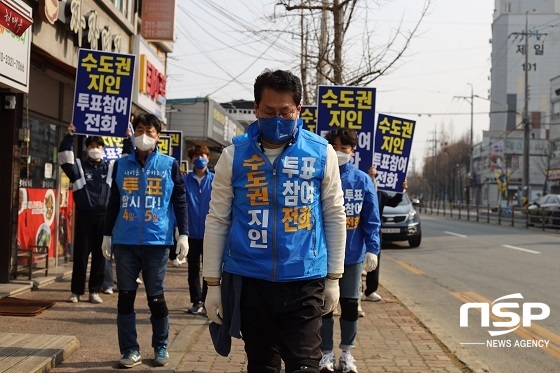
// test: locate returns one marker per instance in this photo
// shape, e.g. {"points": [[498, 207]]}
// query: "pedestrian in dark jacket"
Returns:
{"points": [[91, 186], [384, 199]]}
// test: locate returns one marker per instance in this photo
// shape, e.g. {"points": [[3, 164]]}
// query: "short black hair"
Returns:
{"points": [[346, 136], [279, 81], [149, 120], [95, 139]]}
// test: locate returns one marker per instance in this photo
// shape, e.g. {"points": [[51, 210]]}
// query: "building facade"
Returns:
{"points": [[37, 196], [524, 43]]}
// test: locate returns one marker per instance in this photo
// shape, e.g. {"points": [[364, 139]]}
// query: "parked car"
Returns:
{"points": [[545, 210], [402, 223]]}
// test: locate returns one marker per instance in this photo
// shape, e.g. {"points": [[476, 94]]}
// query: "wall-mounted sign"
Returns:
{"points": [[15, 16], [151, 88], [14, 55], [48, 10], [158, 20]]}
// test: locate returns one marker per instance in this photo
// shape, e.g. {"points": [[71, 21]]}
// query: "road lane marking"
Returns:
{"points": [[533, 332], [410, 268], [456, 234], [521, 249]]}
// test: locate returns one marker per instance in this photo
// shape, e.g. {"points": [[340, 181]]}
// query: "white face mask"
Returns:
{"points": [[145, 142], [343, 158], [95, 153]]}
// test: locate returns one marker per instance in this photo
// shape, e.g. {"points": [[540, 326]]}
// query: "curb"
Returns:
{"points": [[461, 353]]}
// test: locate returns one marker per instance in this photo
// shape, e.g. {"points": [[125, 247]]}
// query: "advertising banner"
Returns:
{"points": [[393, 142], [103, 93], [352, 108], [158, 20], [36, 218]]}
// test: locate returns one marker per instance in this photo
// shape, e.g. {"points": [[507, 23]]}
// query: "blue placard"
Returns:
{"points": [[176, 143], [308, 116], [393, 142], [103, 93], [352, 108]]}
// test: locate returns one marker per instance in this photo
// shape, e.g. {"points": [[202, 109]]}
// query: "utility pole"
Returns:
{"points": [[526, 124], [470, 100], [323, 44]]}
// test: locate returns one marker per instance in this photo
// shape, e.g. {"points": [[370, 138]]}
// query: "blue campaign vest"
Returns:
{"points": [[145, 215], [276, 231], [362, 216], [198, 202]]}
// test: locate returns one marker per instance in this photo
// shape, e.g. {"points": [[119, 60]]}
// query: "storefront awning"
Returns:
{"points": [[15, 17]]}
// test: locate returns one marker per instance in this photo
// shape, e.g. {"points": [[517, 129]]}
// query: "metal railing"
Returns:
{"points": [[514, 216]]}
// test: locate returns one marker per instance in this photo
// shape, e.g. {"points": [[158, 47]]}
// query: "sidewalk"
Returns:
{"points": [[390, 338]]}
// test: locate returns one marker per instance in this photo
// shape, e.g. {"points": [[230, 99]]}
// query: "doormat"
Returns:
{"points": [[23, 307]]}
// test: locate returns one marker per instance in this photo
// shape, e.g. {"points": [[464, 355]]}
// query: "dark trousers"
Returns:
{"points": [[372, 278], [194, 258], [282, 321], [87, 240]]}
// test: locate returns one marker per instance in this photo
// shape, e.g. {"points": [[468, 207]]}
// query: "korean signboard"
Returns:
{"points": [[352, 108], [393, 141], [103, 93], [309, 117], [113, 147], [151, 83], [164, 145], [158, 20], [15, 44], [16, 16], [175, 146]]}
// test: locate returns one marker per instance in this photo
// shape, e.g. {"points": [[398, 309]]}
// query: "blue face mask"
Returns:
{"points": [[277, 130], [200, 163]]}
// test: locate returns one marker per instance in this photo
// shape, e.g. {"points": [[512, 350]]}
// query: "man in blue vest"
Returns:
{"points": [[362, 248], [199, 187], [276, 223], [147, 189]]}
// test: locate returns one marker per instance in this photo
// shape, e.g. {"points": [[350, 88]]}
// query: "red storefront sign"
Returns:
{"points": [[14, 17], [158, 19]]}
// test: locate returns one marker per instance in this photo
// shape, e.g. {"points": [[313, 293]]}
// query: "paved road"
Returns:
{"points": [[462, 262]]}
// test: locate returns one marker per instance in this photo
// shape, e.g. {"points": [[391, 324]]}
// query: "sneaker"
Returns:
{"points": [[177, 263], [197, 309], [326, 365], [108, 291], [373, 297], [95, 298], [74, 298], [347, 363], [161, 356], [130, 359]]}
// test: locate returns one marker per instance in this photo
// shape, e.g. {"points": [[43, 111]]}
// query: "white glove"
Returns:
{"points": [[182, 247], [176, 234], [331, 294], [213, 304], [370, 262], [106, 247]]}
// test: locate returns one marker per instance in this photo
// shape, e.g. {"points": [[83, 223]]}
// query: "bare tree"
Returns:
{"points": [[327, 52], [547, 162]]}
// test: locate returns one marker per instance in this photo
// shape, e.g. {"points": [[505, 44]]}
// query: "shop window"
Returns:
{"points": [[122, 6], [38, 156]]}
